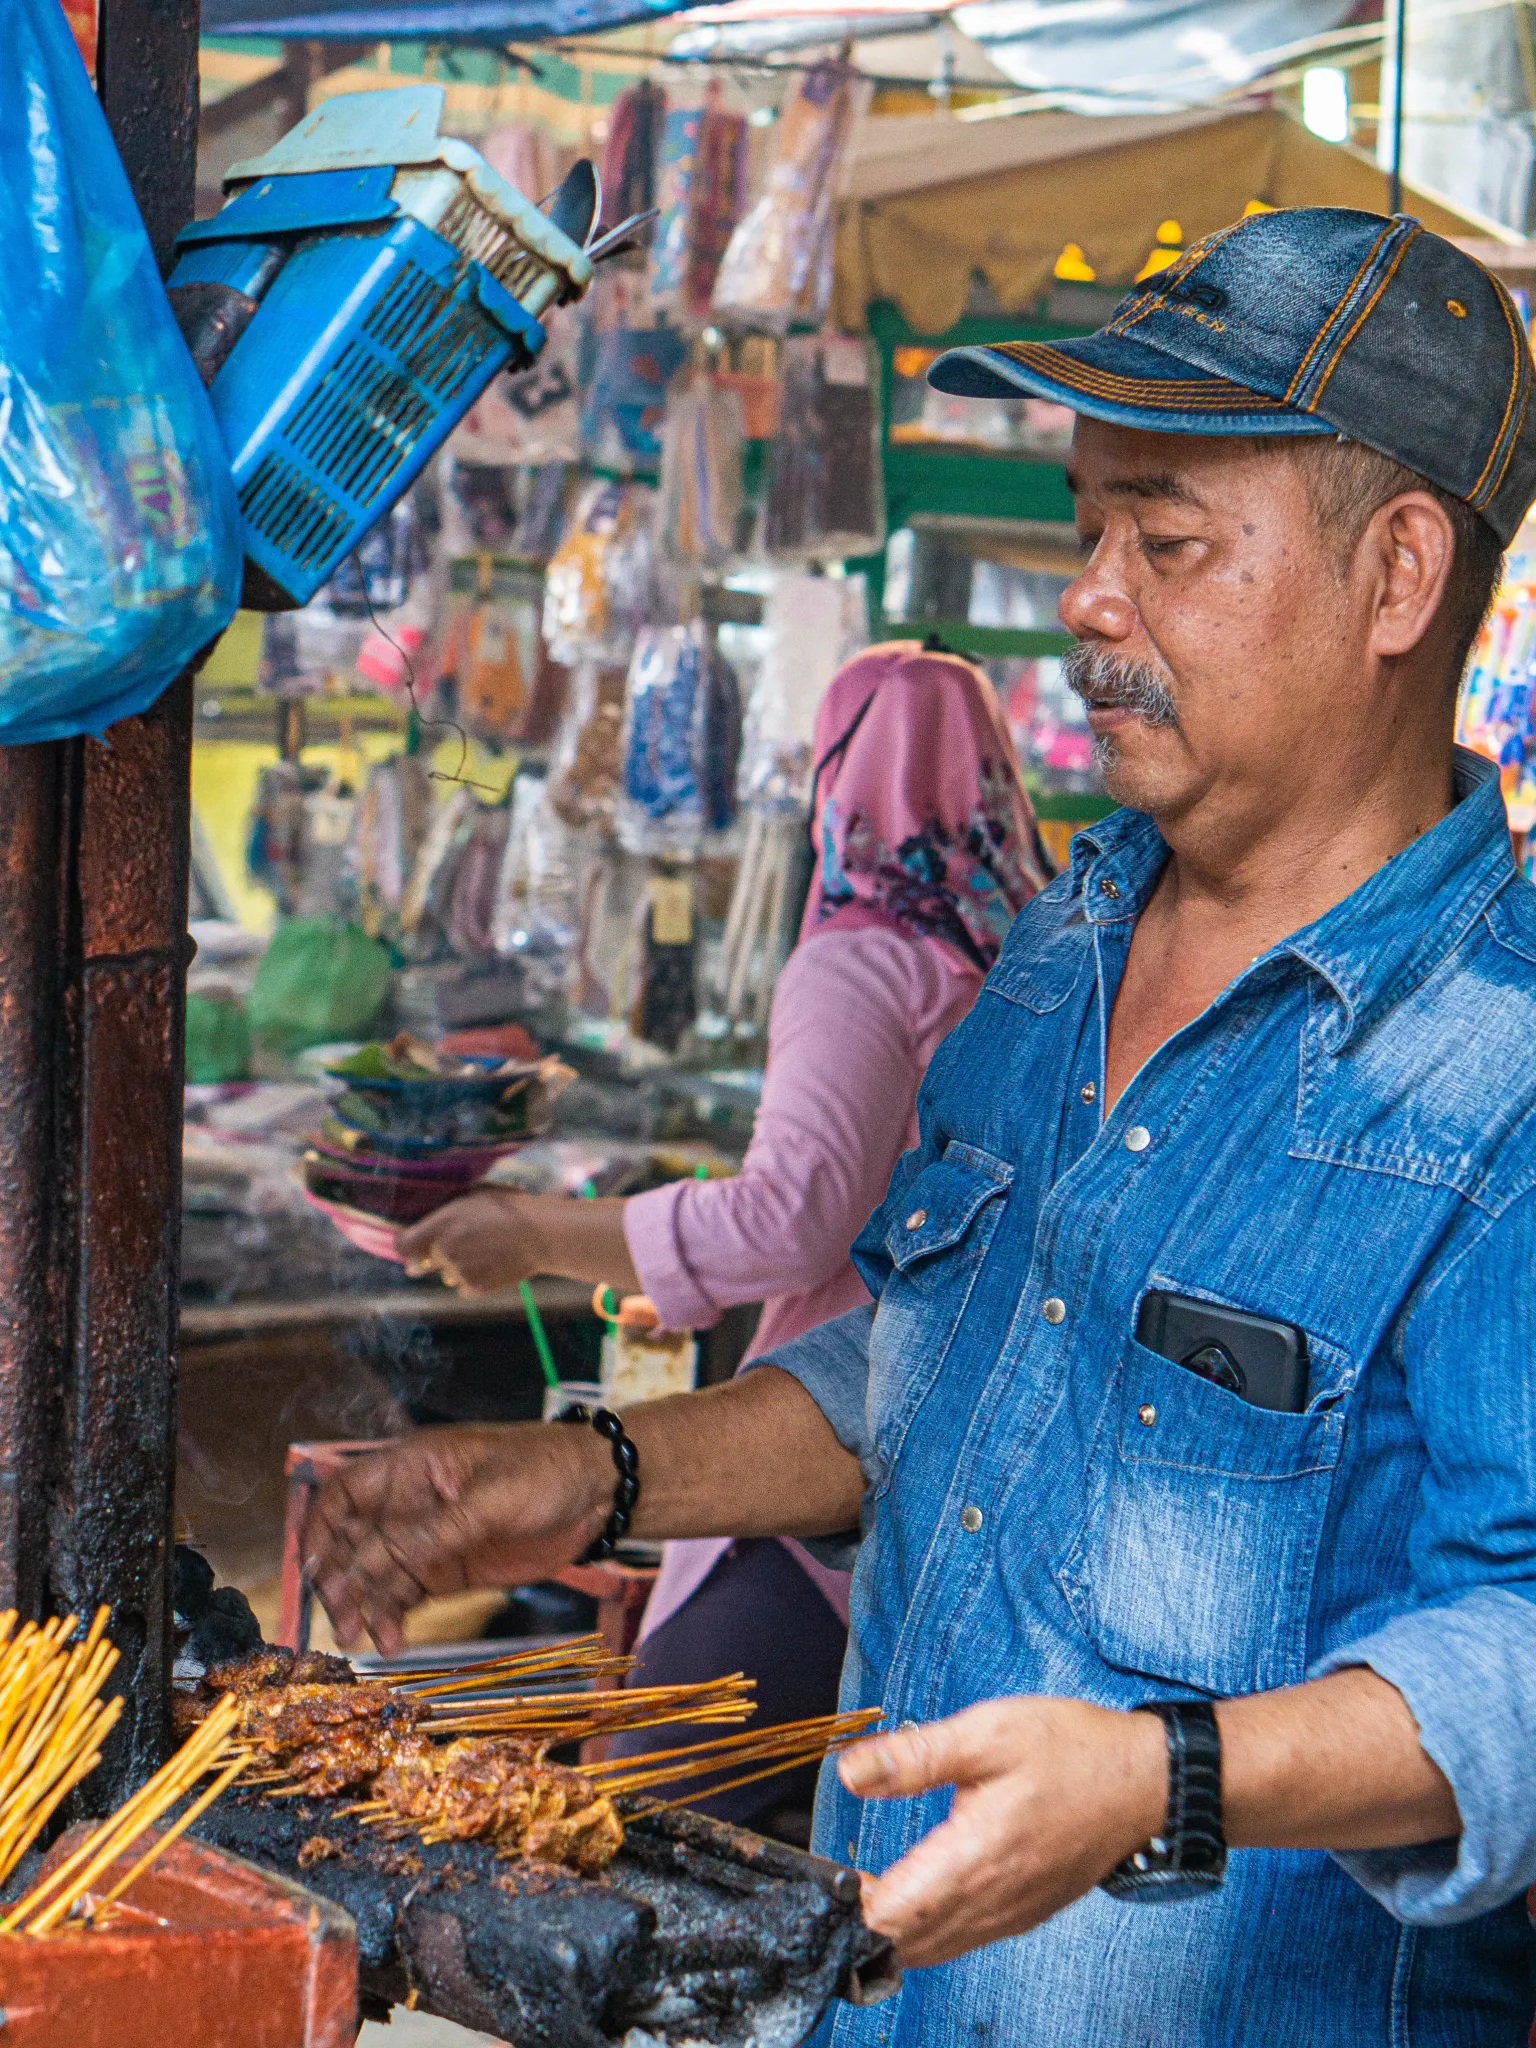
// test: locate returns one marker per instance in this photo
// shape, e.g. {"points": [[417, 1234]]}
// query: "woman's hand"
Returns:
{"points": [[480, 1243], [495, 1237], [1050, 1794]]}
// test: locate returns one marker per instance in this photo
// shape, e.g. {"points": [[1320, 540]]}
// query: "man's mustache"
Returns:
{"points": [[1115, 683]]}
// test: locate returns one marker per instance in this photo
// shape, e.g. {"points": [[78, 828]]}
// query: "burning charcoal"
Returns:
{"points": [[226, 1628], [191, 1584]]}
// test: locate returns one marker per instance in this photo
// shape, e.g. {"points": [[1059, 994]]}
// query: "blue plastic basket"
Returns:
{"points": [[370, 346]]}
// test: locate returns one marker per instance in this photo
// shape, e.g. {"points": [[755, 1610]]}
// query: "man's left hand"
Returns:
{"points": [[1050, 1794]]}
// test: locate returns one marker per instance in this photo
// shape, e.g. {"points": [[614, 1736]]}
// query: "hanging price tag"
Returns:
{"points": [[671, 910]]}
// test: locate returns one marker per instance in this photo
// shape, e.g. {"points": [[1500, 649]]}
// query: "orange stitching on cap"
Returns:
{"points": [[1214, 394], [1043, 357], [1365, 313], [1521, 368], [1338, 312]]}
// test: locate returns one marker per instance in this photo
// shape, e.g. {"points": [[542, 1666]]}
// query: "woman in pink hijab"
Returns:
{"points": [[926, 849]]}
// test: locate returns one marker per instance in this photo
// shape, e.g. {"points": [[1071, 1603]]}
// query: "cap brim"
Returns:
{"points": [[1112, 377]]}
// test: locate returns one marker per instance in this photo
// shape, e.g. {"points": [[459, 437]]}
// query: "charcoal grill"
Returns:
{"points": [[698, 1932]]}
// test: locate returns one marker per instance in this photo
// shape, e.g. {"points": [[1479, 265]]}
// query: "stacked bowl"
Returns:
{"points": [[411, 1127]]}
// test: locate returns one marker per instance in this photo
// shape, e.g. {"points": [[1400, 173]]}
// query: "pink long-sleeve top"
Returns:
{"points": [[857, 1015]]}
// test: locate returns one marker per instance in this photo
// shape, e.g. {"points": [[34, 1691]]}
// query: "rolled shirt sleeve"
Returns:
{"points": [[832, 1363], [1465, 1659]]}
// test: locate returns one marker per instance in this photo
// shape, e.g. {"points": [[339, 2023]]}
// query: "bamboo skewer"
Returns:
{"points": [[57, 1895], [52, 1721]]}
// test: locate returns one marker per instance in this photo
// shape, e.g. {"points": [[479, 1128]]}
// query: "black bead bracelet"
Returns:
{"points": [[626, 1491]]}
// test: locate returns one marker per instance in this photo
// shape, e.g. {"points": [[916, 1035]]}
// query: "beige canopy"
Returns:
{"points": [[927, 201]]}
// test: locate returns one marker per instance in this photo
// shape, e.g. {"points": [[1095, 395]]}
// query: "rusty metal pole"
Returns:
{"points": [[94, 851]]}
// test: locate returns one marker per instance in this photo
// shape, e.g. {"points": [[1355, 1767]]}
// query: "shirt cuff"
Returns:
{"points": [[651, 1232], [1465, 1672], [831, 1362]]}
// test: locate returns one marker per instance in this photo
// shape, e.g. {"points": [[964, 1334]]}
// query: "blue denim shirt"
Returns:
{"points": [[1345, 1140]]}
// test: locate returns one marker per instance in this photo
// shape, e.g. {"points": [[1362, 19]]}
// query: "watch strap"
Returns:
{"points": [[1189, 1857]]}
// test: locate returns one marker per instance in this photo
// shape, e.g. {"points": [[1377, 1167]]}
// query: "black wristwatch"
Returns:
{"points": [[1189, 1858]]}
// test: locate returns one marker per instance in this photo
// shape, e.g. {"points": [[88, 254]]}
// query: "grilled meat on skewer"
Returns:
{"points": [[482, 1788]]}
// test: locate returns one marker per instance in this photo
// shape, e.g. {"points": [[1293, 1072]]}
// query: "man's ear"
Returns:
{"points": [[1411, 545]]}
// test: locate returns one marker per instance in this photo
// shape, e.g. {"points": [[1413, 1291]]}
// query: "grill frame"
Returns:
{"points": [[697, 1932]]}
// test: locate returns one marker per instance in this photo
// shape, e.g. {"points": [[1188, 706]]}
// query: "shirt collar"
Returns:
{"points": [[1385, 937]]}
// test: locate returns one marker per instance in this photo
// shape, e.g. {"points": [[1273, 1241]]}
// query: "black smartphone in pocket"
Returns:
{"points": [[1261, 1361]]}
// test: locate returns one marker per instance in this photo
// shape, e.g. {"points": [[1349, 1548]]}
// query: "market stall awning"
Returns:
{"points": [[431, 21], [931, 201]]}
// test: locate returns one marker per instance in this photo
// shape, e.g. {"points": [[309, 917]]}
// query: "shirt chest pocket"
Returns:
{"points": [[950, 1214], [1196, 1559]]}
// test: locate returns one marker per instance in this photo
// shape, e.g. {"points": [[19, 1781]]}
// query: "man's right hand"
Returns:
{"points": [[445, 1510]]}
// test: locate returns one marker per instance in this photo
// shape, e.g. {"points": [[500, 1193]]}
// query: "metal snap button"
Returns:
{"points": [[1054, 1309], [917, 1219], [1109, 889], [1146, 1413], [1137, 1138], [1089, 1091], [970, 1520]]}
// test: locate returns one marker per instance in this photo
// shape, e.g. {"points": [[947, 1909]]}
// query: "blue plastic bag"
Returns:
{"points": [[120, 550]]}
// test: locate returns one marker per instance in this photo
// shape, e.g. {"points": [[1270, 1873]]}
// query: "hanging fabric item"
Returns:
{"points": [[597, 588], [529, 416], [387, 833], [722, 742], [716, 199], [665, 1000], [634, 148], [588, 758], [120, 548], [701, 473], [663, 741], [701, 191], [493, 693], [811, 625], [826, 494], [627, 398], [680, 138], [773, 254]]}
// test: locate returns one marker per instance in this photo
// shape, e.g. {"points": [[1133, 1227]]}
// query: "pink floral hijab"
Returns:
{"points": [[921, 819]]}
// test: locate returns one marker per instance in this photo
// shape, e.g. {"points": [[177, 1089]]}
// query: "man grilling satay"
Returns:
{"points": [[1192, 1433]]}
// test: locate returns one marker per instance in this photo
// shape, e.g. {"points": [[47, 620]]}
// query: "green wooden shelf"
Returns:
{"points": [[1008, 642]]}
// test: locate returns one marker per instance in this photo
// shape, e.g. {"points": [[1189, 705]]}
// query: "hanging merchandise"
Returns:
{"points": [[376, 576], [701, 474], [717, 199], [471, 919], [387, 833], [533, 921], [680, 137], [119, 531], [826, 493], [532, 416], [665, 1001], [542, 519], [626, 400], [479, 502], [701, 192], [812, 625], [634, 148], [584, 779], [773, 254], [682, 742], [525, 157], [493, 692], [598, 586]]}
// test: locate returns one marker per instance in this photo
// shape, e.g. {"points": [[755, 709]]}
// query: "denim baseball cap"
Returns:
{"points": [[1312, 320]]}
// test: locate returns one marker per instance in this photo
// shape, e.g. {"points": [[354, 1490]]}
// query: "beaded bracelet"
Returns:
{"points": [[625, 1493]]}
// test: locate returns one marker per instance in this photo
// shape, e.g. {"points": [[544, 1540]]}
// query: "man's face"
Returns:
{"points": [[1216, 633]]}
